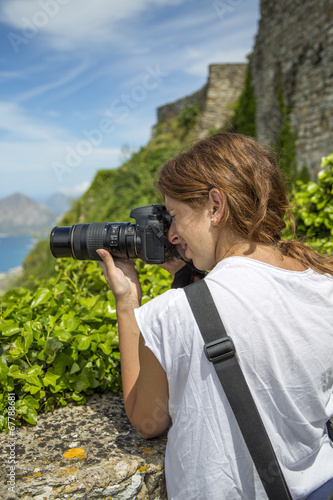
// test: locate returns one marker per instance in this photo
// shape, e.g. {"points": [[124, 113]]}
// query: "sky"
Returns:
{"points": [[81, 81]]}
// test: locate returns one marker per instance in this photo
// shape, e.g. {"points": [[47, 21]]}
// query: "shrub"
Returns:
{"points": [[188, 116], [314, 208], [59, 343]]}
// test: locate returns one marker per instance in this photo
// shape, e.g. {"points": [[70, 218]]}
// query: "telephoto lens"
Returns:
{"points": [[81, 241], [145, 240]]}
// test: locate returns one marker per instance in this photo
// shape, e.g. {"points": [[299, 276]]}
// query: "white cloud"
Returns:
{"points": [[18, 123], [72, 24], [77, 190], [10, 75], [61, 82]]}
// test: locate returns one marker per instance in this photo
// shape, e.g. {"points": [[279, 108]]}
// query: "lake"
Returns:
{"points": [[13, 250]]}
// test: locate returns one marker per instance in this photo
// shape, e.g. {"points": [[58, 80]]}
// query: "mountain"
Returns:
{"points": [[22, 215]]}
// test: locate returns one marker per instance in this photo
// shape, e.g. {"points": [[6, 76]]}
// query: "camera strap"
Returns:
{"points": [[220, 351]]}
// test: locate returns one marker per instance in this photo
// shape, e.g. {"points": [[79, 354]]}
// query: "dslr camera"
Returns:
{"points": [[145, 239]]}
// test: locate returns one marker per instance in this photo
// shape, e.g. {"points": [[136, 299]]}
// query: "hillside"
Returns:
{"points": [[113, 193], [20, 214]]}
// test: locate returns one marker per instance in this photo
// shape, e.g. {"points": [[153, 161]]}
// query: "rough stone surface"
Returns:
{"points": [[294, 46], [84, 452], [225, 83]]}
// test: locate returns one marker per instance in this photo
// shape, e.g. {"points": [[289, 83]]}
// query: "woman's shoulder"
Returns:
{"points": [[162, 304]]}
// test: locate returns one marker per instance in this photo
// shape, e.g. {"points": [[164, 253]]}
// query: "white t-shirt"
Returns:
{"points": [[281, 323]]}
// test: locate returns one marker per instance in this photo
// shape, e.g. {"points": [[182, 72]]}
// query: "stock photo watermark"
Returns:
{"points": [[224, 7], [30, 27], [11, 461], [121, 107]]}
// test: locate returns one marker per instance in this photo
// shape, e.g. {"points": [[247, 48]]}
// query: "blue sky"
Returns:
{"points": [[81, 80]]}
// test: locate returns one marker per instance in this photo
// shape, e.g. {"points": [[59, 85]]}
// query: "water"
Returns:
{"points": [[13, 250]]}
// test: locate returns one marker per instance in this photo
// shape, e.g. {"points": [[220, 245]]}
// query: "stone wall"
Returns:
{"points": [[294, 46], [168, 111], [83, 452], [225, 83]]}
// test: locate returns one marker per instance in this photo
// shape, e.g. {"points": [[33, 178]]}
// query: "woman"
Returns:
{"points": [[227, 201]]}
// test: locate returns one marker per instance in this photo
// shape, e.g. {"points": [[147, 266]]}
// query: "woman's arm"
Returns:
{"points": [[145, 385]]}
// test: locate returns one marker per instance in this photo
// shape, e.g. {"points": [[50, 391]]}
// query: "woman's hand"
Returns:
{"points": [[122, 278]]}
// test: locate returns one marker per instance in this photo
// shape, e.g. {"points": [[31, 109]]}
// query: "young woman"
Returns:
{"points": [[227, 201]]}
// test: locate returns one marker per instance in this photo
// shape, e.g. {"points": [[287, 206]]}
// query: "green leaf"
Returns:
{"points": [[33, 389], [35, 370], [42, 295], [17, 349], [61, 362], [3, 372], [72, 324], [9, 328], [27, 408], [84, 342], [74, 368], [89, 302], [53, 345], [34, 380], [62, 334], [30, 416], [81, 383], [28, 339], [50, 378], [78, 398]]}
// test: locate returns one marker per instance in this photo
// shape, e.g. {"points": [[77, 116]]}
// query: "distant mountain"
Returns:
{"points": [[58, 203], [22, 215]]}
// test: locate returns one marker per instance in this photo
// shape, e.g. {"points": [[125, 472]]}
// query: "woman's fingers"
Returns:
{"points": [[121, 277]]}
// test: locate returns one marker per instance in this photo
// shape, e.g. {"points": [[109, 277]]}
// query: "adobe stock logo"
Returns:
{"points": [[121, 108], [30, 27], [224, 7]]}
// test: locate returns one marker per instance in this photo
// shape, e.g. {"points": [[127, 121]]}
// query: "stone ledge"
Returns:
{"points": [[84, 452]]}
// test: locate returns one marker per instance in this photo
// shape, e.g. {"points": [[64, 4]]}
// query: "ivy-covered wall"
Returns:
{"points": [[293, 57]]}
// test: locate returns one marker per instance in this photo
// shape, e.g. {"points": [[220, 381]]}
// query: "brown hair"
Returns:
{"points": [[250, 180]]}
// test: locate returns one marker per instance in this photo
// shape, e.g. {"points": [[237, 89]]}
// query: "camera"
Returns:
{"points": [[145, 239]]}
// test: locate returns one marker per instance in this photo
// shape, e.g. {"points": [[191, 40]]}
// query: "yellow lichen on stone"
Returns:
{"points": [[143, 468], [147, 451], [75, 453], [67, 471]]}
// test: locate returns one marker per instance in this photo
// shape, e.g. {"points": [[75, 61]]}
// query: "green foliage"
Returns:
{"points": [[188, 116], [285, 146], [314, 208], [243, 120], [59, 343], [58, 336], [112, 195]]}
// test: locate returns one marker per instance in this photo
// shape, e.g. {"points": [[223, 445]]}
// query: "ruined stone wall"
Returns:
{"points": [[168, 111], [294, 49], [225, 83]]}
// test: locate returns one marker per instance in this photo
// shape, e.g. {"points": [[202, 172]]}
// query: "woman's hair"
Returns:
{"points": [[250, 181]]}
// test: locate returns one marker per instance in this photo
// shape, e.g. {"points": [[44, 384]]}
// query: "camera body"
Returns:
{"points": [[145, 239]]}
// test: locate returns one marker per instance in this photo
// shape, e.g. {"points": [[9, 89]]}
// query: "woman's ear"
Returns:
{"points": [[216, 206]]}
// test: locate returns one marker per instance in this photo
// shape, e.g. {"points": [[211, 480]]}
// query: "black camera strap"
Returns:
{"points": [[220, 351]]}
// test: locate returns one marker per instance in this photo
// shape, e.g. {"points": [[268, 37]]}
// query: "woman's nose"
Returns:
{"points": [[172, 235]]}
